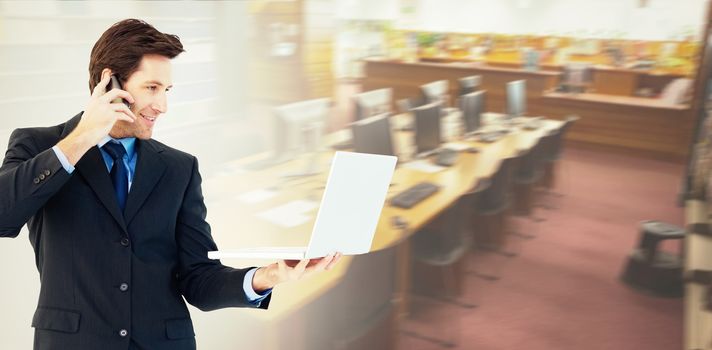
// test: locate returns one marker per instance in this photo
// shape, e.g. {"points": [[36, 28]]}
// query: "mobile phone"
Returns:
{"points": [[116, 85]]}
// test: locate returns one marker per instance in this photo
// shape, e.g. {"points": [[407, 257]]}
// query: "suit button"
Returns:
{"points": [[124, 287], [36, 180], [125, 242], [42, 176], [123, 333], [47, 172]]}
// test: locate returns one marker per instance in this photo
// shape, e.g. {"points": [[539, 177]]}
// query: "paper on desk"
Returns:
{"points": [[424, 166], [290, 214], [299, 206], [256, 196]]}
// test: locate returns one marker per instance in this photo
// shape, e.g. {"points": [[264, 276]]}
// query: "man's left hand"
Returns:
{"points": [[291, 270]]}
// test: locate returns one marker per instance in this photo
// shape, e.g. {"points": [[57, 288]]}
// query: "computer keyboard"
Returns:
{"points": [[414, 195], [446, 157]]}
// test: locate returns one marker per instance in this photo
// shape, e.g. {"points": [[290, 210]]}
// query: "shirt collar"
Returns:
{"points": [[129, 144]]}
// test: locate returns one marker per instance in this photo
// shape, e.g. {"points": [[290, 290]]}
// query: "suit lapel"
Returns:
{"points": [[149, 169], [93, 169]]}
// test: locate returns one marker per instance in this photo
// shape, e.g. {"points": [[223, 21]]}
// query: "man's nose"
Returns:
{"points": [[160, 105]]}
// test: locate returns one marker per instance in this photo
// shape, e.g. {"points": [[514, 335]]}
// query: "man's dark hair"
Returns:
{"points": [[122, 46]]}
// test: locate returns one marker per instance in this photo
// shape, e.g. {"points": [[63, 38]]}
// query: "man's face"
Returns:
{"points": [[148, 85]]}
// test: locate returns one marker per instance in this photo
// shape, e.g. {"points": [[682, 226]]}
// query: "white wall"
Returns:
{"points": [[367, 9], [659, 20]]}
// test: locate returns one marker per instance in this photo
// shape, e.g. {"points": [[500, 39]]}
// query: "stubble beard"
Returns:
{"points": [[123, 129]]}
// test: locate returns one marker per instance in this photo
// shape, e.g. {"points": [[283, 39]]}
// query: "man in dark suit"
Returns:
{"points": [[116, 219]]}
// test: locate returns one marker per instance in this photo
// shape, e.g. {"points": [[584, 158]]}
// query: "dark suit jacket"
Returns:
{"points": [[103, 271]]}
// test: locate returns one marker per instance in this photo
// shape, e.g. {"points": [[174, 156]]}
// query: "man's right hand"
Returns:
{"points": [[98, 119]]}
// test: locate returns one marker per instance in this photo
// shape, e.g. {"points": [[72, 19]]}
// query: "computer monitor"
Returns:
{"points": [[373, 135], [299, 126], [436, 91], [530, 60], [469, 84], [516, 98], [472, 105], [374, 102], [427, 127]]}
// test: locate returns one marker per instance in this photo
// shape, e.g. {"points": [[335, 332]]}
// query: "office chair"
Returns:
{"points": [[527, 175], [551, 143], [469, 84], [489, 213], [553, 153], [528, 172], [472, 200], [439, 264], [439, 251]]}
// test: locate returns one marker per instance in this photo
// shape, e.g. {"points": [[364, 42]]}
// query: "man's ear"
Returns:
{"points": [[105, 72]]}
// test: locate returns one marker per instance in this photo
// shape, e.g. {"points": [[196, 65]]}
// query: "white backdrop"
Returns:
{"points": [[44, 55]]}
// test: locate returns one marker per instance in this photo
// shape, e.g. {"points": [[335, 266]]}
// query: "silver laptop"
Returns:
{"points": [[350, 208]]}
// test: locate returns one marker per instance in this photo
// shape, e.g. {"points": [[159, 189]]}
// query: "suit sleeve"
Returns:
{"points": [[205, 283], [28, 178]]}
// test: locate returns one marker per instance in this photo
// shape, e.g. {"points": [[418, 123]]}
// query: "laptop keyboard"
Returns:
{"points": [[490, 136], [414, 195]]}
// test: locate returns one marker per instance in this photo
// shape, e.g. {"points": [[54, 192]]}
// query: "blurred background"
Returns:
{"points": [[634, 73]]}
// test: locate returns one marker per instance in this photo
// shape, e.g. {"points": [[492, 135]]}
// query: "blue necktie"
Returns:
{"points": [[119, 173]]}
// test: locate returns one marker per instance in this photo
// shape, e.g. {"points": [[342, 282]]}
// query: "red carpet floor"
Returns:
{"points": [[562, 291]]}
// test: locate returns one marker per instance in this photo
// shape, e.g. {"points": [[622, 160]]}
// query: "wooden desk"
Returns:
{"points": [[641, 126], [698, 320], [609, 80], [637, 125], [235, 223], [406, 78], [615, 81], [625, 82]]}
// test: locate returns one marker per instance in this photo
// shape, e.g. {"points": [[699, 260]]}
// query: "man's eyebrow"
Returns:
{"points": [[156, 82]]}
